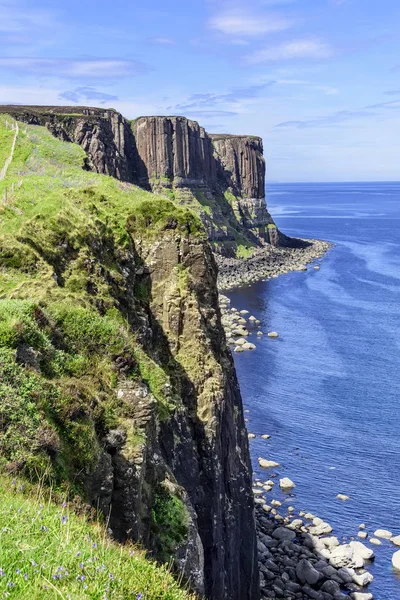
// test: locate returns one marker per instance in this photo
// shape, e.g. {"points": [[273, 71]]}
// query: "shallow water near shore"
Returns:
{"points": [[328, 389]]}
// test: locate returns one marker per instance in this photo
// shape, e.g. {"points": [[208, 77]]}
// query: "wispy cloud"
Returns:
{"points": [[337, 117], [87, 93], [17, 19], [342, 116], [240, 22], [201, 101], [89, 68], [210, 113], [162, 41], [294, 50], [394, 104]]}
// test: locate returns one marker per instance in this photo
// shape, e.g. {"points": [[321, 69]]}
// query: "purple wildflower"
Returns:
{"points": [[64, 519], [2, 573]]}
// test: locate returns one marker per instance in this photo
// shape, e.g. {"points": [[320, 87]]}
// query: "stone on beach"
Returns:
{"points": [[239, 349], [306, 573], [267, 464], [284, 534], [361, 596], [360, 548], [396, 560], [395, 540], [342, 497], [286, 484], [265, 436], [362, 534], [383, 533], [375, 541], [251, 436], [273, 334], [248, 346]]}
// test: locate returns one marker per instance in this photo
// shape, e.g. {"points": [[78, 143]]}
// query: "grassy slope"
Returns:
{"points": [[65, 236], [6, 138], [48, 551]]}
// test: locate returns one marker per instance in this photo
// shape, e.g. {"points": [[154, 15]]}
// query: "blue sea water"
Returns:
{"points": [[328, 390]]}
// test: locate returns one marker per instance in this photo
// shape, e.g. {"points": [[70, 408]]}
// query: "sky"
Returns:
{"points": [[318, 80]]}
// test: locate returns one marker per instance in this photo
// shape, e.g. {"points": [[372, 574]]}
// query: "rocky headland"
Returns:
{"points": [[111, 239]]}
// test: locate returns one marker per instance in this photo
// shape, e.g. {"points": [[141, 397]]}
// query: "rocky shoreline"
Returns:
{"points": [[298, 557], [296, 564], [268, 262]]}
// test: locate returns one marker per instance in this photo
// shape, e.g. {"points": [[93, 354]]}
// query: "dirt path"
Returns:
{"points": [[3, 172]]}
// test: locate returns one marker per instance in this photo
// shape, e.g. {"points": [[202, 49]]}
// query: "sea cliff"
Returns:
{"points": [[117, 382]]}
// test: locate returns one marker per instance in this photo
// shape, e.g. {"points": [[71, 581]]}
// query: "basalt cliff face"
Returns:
{"points": [[110, 325], [221, 177]]}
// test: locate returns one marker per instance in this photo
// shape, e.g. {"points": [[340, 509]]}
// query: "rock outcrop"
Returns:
{"points": [[221, 177]]}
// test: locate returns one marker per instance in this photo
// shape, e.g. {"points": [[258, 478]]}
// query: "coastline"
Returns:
{"points": [[299, 557], [268, 262]]}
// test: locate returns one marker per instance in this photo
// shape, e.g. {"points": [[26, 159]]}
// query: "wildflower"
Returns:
{"points": [[17, 571], [21, 487], [139, 597], [2, 573], [25, 576], [14, 482], [78, 553], [111, 576], [4, 530], [43, 528], [33, 563], [10, 584], [82, 566], [64, 504], [64, 519], [94, 545]]}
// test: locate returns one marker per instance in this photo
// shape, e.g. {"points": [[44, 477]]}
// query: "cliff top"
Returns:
{"points": [[93, 111], [57, 110]]}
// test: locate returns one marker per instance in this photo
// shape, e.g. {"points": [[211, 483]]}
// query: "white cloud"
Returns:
{"points": [[95, 68], [243, 23], [297, 49]]}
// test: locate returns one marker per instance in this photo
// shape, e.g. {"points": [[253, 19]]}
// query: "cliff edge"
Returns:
{"points": [[116, 380], [220, 177]]}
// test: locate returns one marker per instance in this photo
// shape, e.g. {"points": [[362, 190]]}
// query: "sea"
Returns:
{"points": [[327, 390]]}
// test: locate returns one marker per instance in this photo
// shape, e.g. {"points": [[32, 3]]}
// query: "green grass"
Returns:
{"points": [[168, 523], [6, 138], [49, 551], [67, 262], [244, 251]]}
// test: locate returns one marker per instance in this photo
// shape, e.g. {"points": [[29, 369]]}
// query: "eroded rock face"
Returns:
{"points": [[198, 448], [205, 441], [173, 150]]}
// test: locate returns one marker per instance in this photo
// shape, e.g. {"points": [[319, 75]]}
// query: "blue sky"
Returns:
{"points": [[319, 80]]}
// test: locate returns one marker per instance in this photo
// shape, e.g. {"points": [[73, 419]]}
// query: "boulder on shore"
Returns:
{"points": [[267, 464], [286, 484], [396, 560], [383, 533], [342, 497], [273, 334]]}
